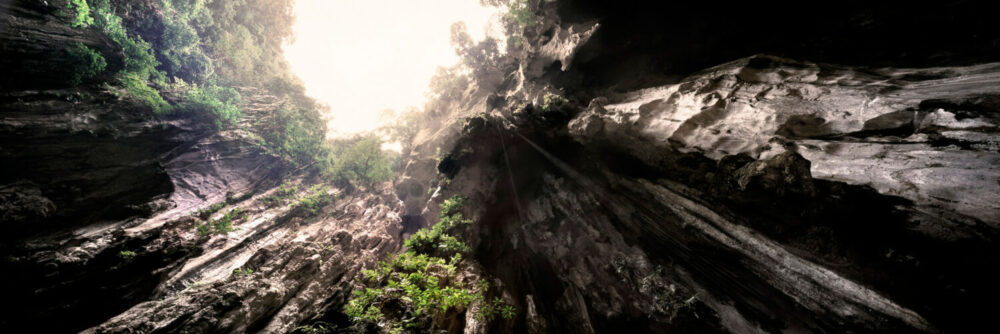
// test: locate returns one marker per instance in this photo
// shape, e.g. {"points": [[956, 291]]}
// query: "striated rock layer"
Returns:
{"points": [[762, 195]]}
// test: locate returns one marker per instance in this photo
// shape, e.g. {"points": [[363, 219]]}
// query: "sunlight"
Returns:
{"points": [[362, 57]]}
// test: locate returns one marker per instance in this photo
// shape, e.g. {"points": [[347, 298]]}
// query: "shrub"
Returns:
{"points": [[551, 101], [85, 63], [413, 288], [362, 161], [314, 201], [137, 88], [79, 13], [214, 102], [126, 254], [436, 241], [242, 272], [319, 327], [204, 214], [520, 11], [283, 193], [295, 133], [221, 226]]}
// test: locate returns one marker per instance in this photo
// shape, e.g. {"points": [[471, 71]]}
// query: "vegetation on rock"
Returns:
{"points": [[86, 63], [415, 290], [219, 226]]}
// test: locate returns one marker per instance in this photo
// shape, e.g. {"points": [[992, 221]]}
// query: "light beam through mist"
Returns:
{"points": [[362, 57]]}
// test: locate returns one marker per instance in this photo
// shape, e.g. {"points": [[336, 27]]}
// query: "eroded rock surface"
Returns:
{"points": [[929, 135]]}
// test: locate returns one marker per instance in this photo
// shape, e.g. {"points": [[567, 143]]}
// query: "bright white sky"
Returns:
{"points": [[365, 56]]}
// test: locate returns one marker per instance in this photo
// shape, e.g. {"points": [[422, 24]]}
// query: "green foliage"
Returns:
{"points": [[361, 161], [295, 133], [401, 127], [482, 58], [233, 199], [137, 88], [216, 45], [215, 102], [436, 240], [489, 310], [79, 13], [204, 214], [283, 193], [314, 201], [242, 272], [86, 63], [319, 327], [551, 101], [220, 226], [126, 254], [419, 285], [520, 11], [179, 46]]}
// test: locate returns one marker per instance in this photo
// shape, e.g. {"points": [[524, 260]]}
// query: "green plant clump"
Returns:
{"points": [[285, 192], [520, 11], [437, 241], [79, 13], [126, 254], [360, 161], [86, 63], [216, 102], [220, 226], [551, 101], [314, 201], [413, 289], [242, 272], [204, 214], [139, 89]]}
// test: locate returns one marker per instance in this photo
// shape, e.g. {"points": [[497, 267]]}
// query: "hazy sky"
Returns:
{"points": [[364, 56]]}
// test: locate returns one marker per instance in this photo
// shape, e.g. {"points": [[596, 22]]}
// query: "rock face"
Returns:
{"points": [[765, 194], [761, 195], [928, 135]]}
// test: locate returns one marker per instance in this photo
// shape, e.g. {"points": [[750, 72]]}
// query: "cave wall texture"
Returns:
{"points": [[746, 167]]}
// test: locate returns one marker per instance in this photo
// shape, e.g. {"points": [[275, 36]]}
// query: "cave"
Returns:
{"points": [[582, 167]]}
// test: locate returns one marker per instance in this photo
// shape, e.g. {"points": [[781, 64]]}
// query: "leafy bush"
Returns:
{"points": [[79, 13], [436, 240], [204, 214], [86, 63], [221, 226], [314, 201], [551, 101], [319, 327], [283, 193], [217, 103], [137, 88], [520, 11], [295, 133], [242, 272], [413, 288], [126, 254], [361, 161]]}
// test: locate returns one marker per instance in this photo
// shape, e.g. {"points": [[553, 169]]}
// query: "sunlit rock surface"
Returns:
{"points": [[929, 135], [668, 194]]}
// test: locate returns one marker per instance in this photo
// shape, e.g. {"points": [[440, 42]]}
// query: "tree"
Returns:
{"points": [[362, 161]]}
